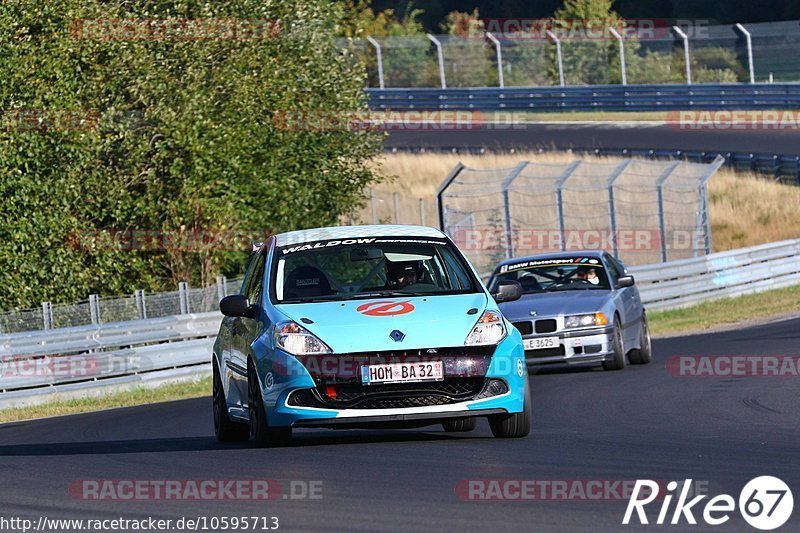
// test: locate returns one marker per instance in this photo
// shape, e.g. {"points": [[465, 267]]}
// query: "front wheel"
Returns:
{"points": [[262, 434], [225, 429], [618, 362], [644, 354], [515, 425]]}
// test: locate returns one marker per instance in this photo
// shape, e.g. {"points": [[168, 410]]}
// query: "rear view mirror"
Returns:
{"points": [[365, 254], [508, 290], [236, 305], [625, 281]]}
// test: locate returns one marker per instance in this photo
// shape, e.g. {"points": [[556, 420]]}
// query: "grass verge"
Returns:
{"points": [[726, 312], [138, 396]]}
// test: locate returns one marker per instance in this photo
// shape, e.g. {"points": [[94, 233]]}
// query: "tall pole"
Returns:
{"points": [[685, 53], [749, 50], [441, 59], [499, 51], [559, 59], [377, 46], [621, 54]]}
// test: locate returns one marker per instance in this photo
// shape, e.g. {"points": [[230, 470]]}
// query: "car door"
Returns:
{"points": [[242, 331], [627, 302]]}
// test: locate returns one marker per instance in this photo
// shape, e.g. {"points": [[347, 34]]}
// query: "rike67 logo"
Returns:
{"points": [[765, 503]]}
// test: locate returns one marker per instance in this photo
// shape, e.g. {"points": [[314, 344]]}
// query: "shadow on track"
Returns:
{"points": [[304, 438]]}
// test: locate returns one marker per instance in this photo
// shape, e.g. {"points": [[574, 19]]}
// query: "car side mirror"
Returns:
{"points": [[508, 290], [625, 281], [237, 305]]}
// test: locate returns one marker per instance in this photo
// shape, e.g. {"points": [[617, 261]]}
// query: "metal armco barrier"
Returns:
{"points": [[43, 365], [733, 273], [592, 97]]}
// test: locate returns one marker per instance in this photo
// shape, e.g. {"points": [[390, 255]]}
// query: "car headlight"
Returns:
{"points": [[488, 330], [585, 321], [297, 340]]}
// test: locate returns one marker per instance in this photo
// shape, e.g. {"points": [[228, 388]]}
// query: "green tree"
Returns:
{"points": [[183, 136]]}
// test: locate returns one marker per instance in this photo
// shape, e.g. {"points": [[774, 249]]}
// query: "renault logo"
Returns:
{"points": [[397, 335]]}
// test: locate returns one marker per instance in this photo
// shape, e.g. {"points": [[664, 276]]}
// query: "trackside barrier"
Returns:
{"points": [[592, 97], [734, 273]]}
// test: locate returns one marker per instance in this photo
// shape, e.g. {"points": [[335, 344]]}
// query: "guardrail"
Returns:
{"points": [[592, 97], [35, 366], [87, 360], [723, 274]]}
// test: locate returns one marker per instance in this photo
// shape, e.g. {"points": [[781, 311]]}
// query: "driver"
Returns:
{"points": [[589, 275], [401, 274]]}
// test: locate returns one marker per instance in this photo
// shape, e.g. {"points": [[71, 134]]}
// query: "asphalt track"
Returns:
{"points": [[642, 422], [562, 135]]}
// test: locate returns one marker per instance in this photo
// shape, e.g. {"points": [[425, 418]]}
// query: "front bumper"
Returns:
{"points": [[303, 399], [575, 346]]}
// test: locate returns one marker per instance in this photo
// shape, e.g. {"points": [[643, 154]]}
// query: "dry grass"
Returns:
{"points": [[745, 209]]}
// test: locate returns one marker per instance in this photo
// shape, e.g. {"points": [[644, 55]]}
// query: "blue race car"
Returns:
{"points": [[576, 307], [365, 327]]}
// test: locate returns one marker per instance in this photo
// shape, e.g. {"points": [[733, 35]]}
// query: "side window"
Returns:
{"points": [[614, 268], [256, 284]]}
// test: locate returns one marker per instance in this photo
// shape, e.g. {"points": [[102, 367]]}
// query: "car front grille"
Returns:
{"points": [[399, 395], [547, 325], [525, 328], [545, 352]]}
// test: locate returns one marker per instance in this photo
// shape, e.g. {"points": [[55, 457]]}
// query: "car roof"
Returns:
{"points": [[354, 232], [595, 254]]}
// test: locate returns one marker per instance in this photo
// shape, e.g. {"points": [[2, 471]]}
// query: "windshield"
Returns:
{"points": [[550, 275], [372, 267]]}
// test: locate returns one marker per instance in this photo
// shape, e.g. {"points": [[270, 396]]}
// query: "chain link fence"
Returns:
{"points": [[716, 54], [643, 211], [138, 306]]}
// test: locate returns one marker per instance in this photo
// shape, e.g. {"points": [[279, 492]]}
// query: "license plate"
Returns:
{"points": [[401, 373], [540, 343]]}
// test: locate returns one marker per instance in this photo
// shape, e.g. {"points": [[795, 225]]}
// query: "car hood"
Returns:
{"points": [[428, 321], [556, 303]]}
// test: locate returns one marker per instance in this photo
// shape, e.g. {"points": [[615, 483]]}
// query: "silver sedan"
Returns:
{"points": [[574, 307]]}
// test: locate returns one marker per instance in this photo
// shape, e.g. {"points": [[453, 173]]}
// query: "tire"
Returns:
{"points": [[262, 434], [618, 362], [515, 425], [644, 354], [458, 425], [225, 429]]}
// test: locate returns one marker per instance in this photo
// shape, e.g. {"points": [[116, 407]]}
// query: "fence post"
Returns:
{"points": [[372, 205], [499, 51], [94, 309], [685, 53], [621, 42], [560, 200], [440, 208], [703, 208], [662, 227], [141, 304], [395, 200], [421, 211], [222, 287], [556, 40], [612, 213], [441, 59], [377, 46], [749, 50], [183, 296], [507, 182], [47, 315]]}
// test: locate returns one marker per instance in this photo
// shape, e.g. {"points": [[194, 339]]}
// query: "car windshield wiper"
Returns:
{"points": [[374, 294]]}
